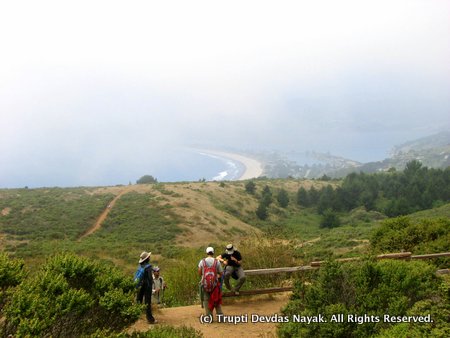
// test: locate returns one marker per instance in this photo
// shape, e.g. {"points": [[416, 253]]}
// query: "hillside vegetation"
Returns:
{"points": [[273, 222], [161, 217]]}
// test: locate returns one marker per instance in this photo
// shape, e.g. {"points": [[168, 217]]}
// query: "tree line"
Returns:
{"points": [[392, 193]]}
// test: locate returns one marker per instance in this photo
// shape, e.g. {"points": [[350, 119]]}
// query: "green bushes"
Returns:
{"points": [[330, 219], [11, 274], [71, 296], [138, 218], [147, 179], [365, 290], [421, 236], [11, 271], [37, 214]]}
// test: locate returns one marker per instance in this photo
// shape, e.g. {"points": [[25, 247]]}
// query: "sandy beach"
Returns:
{"points": [[253, 168]]}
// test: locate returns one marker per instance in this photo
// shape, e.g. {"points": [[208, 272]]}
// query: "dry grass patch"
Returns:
{"points": [[202, 221], [6, 211]]}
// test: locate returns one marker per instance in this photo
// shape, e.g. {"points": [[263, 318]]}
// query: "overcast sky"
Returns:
{"points": [[86, 85]]}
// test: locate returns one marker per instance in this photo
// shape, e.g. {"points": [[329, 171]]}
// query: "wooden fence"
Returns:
{"points": [[317, 264]]}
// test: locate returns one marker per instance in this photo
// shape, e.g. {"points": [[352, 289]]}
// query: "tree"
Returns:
{"points": [[412, 168], [283, 198], [147, 179], [313, 196], [326, 199], [261, 212], [330, 219], [250, 187], [266, 196], [302, 197]]}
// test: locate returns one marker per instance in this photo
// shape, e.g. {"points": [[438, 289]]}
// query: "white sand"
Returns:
{"points": [[253, 168]]}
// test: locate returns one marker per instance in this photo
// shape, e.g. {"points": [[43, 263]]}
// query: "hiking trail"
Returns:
{"points": [[266, 305], [98, 223]]}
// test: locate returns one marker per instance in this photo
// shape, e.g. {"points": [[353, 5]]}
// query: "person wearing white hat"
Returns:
{"points": [[144, 280], [232, 259], [211, 271]]}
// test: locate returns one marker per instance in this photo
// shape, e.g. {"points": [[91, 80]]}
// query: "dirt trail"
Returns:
{"points": [[266, 305], [103, 215]]}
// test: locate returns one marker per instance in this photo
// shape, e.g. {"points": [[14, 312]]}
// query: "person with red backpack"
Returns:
{"points": [[211, 271]]}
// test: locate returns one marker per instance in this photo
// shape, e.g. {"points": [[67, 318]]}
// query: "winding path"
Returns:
{"points": [[98, 223]]}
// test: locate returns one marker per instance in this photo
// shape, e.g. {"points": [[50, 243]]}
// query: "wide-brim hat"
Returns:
{"points": [[144, 256], [229, 249]]}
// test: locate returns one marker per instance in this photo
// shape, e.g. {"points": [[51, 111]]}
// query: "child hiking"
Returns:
{"points": [[159, 285], [210, 270], [144, 282]]}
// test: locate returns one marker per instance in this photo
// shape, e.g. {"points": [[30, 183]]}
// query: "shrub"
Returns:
{"points": [[394, 288], [330, 219], [11, 271], [250, 187], [147, 179], [283, 198], [71, 296], [261, 211], [11, 274], [422, 236]]}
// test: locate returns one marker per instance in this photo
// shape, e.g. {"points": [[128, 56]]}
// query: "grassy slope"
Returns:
{"points": [[165, 218]]}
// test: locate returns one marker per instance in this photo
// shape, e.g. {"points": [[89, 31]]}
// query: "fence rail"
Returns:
{"points": [[317, 264]]}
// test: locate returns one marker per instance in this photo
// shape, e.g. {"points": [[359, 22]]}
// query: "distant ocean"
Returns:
{"points": [[170, 165], [194, 165]]}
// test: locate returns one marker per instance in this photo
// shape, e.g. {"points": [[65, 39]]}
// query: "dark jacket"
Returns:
{"points": [[236, 254]]}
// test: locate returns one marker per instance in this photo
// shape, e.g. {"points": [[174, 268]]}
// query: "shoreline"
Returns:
{"points": [[252, 168]]}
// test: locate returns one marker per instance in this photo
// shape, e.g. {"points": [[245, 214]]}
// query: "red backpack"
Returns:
{"points": [[209, 278]]}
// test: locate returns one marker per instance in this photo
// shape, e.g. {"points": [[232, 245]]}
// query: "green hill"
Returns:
{"points": [[46, 231], [167, 218]]}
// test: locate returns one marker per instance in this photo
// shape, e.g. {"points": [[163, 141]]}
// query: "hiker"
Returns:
{"points": [[144, 281], [232, 260], [210, 293], [159, 285]]}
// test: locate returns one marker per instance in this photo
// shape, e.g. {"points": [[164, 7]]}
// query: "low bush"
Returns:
{"points": [[71, 296], [418, 236], [11, 274], [363, 292]]}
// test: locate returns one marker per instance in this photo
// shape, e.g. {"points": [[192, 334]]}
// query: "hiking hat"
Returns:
{"points": [[156, 269], [144, 256], [209, 249], [230, 249]]}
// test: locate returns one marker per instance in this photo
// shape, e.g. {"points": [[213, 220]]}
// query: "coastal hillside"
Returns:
{"points": [[318, 218], [126, 220], [432, 151], [76, 250]]}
